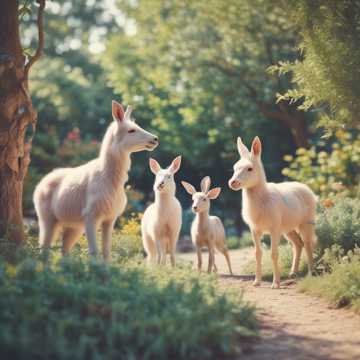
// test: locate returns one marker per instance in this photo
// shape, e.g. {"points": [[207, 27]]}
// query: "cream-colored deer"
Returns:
{"points": [[207, 231], [91, 195], [161, 223], [286, 208]]}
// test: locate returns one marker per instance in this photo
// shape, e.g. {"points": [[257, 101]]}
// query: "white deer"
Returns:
{"points": [[161, 223], [207, 230], [91, 195], [286, 208]]}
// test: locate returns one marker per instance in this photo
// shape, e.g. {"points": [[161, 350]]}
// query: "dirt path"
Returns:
{"points": [[294, 326]]}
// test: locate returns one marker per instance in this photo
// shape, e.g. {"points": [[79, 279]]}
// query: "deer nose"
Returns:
{"points": [[156, 139], [195, 207], [233, 183]]}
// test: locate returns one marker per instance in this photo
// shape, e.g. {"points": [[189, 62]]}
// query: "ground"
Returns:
{"points": [[294, 326]]}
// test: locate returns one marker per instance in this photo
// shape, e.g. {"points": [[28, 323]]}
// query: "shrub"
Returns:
{"points": [[127, 241], [285, 261], [236, 242], [342, 285], [339, 225], [75, 310], [328, 173]]}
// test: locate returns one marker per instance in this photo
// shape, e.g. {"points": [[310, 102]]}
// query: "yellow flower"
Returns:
{"points": [[288, 158], [339, 134], [39, 267], [301, 151], [285, 171], [10, 270]]}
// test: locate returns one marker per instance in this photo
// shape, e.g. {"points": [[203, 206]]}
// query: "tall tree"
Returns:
{"points": [[17, 116], [327, 77], [206, 42]]}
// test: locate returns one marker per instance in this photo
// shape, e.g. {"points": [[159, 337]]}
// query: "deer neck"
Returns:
{"points": [[163, 198], [203, 219], [116, 167]]}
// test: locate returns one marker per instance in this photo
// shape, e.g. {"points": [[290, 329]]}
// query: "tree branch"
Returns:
{"points": [[40, 48]]}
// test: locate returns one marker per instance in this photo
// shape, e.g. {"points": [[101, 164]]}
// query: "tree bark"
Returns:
{"points": [[17, 116]]}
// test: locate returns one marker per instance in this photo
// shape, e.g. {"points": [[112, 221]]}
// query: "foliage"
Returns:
{"points": [[285, 261], [330, 172], [72, 309], [195, 73], [327, 77], [128, 243], [342, 285], [339, 225], [236, 242]]}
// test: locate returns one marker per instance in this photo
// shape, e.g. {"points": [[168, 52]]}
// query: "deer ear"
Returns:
{"points": [[175, 165], [188, 187], [256, 146], [117, 111], [205, 184], [154, 166], [128, 112], [214, 193], [242, 149]]}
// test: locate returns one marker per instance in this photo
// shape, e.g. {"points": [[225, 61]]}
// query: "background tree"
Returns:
{"points": [[17, 115], [327, 77], [196, 72]]}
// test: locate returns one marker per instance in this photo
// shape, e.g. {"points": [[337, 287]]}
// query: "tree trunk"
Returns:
{"points": [[16, 115]]}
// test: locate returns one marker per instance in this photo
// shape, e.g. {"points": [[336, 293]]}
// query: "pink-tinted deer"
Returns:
{"points": [[286, 208], [83, 198]]}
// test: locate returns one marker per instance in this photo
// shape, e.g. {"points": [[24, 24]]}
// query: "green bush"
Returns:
{"points": [[339, 225], [285, 261], [72, 309], [236, 242], [328, 173], [342, 285]]}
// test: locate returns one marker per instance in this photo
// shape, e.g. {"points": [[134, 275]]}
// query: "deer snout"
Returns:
{"points": [[234, 184], [154, 141]]}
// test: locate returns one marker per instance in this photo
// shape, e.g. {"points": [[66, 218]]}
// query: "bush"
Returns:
{"points": [[235, 242], [339, 225], [285, 262], [127, 241], [328, 173], [342, 285], [73, 309]]}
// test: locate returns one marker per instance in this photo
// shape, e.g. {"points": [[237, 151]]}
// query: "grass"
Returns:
{"points": [[285, 261], [340, 286], [73, 308]]}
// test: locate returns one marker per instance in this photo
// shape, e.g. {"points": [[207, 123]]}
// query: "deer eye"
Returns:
{"points": [[250, 169], [131, 131]]}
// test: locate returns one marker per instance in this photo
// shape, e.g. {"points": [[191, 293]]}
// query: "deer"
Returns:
{"points": [[161, 222], [207, 231], [286, 208], [91, 196]]}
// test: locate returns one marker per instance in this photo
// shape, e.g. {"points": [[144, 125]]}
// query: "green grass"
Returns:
{"points": [[285, 261], [73, 308], [341, 286]]}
